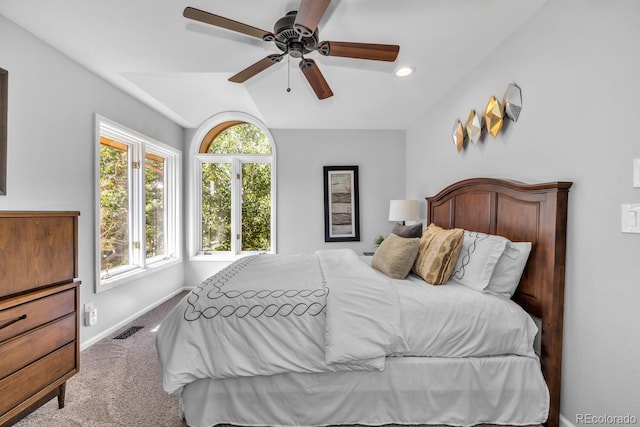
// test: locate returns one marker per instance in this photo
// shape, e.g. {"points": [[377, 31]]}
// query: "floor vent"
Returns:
{"points": [[126, 334]]}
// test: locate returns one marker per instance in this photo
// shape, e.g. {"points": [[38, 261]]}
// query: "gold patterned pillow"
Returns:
{"points": [[437, 253], [395, 256]]}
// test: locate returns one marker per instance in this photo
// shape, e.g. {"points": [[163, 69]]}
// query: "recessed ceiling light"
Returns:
{"points": [[404, 71]]}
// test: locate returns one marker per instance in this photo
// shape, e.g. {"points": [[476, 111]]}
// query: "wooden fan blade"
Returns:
{"points": [[376, 52], [254, 69], [308, 16], [315, 78], [219, 21]]}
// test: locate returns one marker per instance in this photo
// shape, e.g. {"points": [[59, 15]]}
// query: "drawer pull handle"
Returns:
{"points": [[24, 316]]}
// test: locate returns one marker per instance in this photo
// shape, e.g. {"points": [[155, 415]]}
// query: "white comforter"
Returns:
{"points": [[270, 314], [323, 312]]}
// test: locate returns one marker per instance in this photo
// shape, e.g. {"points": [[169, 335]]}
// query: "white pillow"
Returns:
{"points": [[478, 257], [508, 271]]}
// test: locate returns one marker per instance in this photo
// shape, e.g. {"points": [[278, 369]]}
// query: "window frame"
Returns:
{"points": [[139, 145], [216, 125]]}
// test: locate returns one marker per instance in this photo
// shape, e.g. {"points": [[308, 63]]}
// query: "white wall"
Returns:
{"points": [[301, 154], [577, 64], [52, 102]]}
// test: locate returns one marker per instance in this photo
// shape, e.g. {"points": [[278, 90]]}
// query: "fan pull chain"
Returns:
{"points": [[288, 73]]}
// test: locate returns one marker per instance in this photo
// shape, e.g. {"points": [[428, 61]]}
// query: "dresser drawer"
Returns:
{"points": [[37, 250], [21, 318], [19, 352], [28, 381]]}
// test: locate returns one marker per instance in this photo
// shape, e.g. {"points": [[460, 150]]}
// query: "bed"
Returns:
{"points": [[365, 363]]}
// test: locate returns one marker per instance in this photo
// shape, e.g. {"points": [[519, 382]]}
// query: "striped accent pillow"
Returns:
{"points": [[437, 253]]}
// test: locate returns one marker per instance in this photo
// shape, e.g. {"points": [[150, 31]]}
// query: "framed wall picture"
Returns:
{"points": [[341, 204], [4, 85]]}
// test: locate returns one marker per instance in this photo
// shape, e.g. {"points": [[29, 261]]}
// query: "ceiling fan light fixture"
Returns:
{"points": [[296, 35], [404, 71]]}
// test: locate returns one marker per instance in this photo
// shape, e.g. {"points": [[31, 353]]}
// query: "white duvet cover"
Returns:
{"points": [[326, 312], [461, 322]]}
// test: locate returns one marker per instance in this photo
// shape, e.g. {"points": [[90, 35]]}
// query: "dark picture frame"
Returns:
{"points": [[4, 86], [341, 204]]}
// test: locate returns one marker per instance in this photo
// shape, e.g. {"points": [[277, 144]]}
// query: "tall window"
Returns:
{"points": [[115, 225], [138, 181], [234, 180]]}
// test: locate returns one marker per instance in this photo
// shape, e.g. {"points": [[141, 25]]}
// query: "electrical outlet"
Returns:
{"points": [[90, 314], [630, 218], [636, 173]]}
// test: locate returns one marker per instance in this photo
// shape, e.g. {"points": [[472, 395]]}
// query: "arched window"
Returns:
{"points": [[235, 181]]}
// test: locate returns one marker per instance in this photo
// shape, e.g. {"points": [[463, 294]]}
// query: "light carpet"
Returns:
{"points": [[118, 384]]}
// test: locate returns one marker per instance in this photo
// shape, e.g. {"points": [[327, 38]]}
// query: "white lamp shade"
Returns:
{"points": [[403, 210]]}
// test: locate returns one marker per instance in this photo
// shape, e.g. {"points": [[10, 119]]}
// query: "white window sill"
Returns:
{"points": [[222, 257], [135, 274]]}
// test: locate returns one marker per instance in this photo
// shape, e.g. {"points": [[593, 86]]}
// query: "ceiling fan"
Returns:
{"points": [[296, 34]]}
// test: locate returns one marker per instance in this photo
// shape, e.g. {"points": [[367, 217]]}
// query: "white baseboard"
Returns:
{"points": [[91, 341], [565, 422]]}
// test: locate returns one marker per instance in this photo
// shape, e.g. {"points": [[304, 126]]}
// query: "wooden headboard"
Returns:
{"points": [[522, 213]]}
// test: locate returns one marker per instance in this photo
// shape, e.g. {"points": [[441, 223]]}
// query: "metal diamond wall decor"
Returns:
{"points": [[473, 127], [492, 120], [493, 116], [458, 134], [512, 102]]}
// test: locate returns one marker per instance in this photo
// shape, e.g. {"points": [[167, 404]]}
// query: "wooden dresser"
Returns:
{"points": [[39, 316]]}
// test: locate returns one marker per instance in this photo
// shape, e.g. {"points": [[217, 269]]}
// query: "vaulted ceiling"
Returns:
{"points": [[180, 66]]}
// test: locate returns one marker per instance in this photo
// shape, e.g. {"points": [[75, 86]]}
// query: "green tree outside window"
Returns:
{"points": [[247, 145]]}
